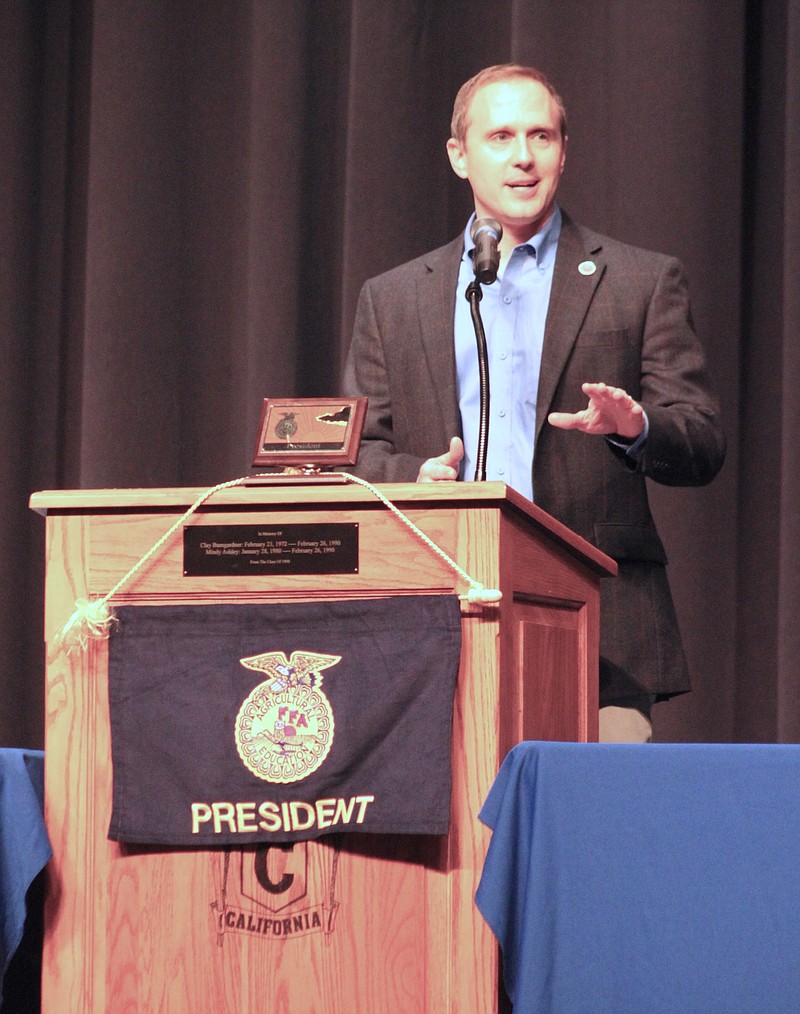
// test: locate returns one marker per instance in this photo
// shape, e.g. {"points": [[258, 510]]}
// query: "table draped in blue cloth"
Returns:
{"points": [[646, 879], [24, 845]]}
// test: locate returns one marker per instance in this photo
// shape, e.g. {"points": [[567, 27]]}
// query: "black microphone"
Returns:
{"points": [[486, 233]]}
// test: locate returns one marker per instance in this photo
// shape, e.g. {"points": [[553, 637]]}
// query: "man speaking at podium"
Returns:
{"points": [[597, 377]]}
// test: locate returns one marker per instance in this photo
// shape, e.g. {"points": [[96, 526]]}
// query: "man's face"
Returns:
{"points": [[513, 154]]}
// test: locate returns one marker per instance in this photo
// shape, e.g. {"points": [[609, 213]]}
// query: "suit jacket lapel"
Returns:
{"points": [[570, 297], [436, 293]]}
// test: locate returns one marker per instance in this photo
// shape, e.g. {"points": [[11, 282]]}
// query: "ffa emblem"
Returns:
{"points": [[284, 728], [286, 427]]}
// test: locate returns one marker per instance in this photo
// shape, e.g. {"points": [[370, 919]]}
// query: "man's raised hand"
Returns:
{"points": [[610, 410]]}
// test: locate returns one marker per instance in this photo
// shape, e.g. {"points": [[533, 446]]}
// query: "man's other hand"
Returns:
{"points": [[445, 467], [610, 410]]}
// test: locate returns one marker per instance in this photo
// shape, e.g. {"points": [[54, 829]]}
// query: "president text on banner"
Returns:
{"points": [[237, 724]]}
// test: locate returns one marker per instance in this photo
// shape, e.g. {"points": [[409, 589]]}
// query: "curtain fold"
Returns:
{"points": [[768, 533]]}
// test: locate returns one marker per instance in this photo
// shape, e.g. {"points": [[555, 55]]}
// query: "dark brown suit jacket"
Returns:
{"points": [[628, 324]]}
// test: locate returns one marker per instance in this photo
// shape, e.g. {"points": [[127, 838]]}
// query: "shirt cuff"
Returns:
{"points": [[635, 449]]}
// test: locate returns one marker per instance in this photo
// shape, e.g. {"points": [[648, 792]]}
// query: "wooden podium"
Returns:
{"points": [[358, 923]]}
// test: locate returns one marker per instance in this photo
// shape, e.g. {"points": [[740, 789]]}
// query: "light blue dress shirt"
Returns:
{"points": [[513, 310]]}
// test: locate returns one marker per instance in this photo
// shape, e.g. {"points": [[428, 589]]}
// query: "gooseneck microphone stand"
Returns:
{"points": [[474, 295], [486, 233]]}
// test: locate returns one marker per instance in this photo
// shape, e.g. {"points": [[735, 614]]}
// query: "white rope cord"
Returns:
{"points": [[477, 593], [94, 618]]}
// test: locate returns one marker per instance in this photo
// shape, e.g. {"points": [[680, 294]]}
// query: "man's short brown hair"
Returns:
{"points": [[499, 72]]}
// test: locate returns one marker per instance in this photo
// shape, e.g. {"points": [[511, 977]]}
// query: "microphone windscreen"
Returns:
{"points": [[486, 233]]}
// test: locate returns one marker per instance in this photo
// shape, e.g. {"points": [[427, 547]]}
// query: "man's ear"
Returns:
{"points": [[458, 157]]}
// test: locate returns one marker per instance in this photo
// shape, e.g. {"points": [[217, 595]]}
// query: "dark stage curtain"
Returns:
{"points": [[193, 193]]}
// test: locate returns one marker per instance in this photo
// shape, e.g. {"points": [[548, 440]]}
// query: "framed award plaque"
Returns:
{"points": [[309, 432]]}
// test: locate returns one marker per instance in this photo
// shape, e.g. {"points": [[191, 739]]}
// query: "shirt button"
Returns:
{"points": [[506, 300], [504, 355], [502, 413]]}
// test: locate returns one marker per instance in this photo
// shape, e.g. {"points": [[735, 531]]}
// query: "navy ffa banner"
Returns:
{"points": [[240, 724]]}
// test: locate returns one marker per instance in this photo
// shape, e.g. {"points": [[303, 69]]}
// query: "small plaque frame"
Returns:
{"points": [[310, 431]]}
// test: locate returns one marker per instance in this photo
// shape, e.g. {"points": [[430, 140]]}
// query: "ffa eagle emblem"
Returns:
{"points": [[284, 728], [286, 427]]}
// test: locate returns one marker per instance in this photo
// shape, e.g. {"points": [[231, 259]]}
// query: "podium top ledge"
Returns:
{"points": [[297, 492]]}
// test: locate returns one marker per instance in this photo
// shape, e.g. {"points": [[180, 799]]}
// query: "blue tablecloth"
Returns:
{"points": [[24, 846], [646, 879]]}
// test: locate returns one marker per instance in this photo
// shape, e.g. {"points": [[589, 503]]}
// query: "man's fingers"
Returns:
{"points": [[610, 410], [454, 453], [615, 398], [567, 420], [445, 467]]}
